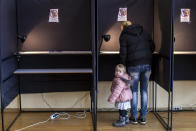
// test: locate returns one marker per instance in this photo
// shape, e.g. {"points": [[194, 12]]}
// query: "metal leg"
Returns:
{"points": [[13, 121], [94, 108], [91, 108], [168, 125], [19, 93], [20, 108], [2, 117], [95, 111], [155, 97], [153, 106], [171, 109], [168, 122]]}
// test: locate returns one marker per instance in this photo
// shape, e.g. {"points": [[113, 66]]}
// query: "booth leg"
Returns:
{"points": [[2, 118], [91, 108], [153, 106], [19, 93], [168, 125], [13, 121], [20, 110], [95, 111]]}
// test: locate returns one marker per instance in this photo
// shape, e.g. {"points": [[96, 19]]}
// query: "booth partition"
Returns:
{"points": [[47, 46]]}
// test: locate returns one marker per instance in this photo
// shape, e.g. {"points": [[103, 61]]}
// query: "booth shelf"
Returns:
{"points": [[54, 71], [54, 53]]}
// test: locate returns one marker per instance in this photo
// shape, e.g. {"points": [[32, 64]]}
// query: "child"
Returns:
{"points": [[121, 94]]}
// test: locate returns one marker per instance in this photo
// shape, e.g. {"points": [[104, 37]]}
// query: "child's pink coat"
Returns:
{"points": [[120, 90]]}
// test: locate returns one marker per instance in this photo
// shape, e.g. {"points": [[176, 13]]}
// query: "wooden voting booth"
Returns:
{"points": [[39, 56]]}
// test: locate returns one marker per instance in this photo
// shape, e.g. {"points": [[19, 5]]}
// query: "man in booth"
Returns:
{"points": [[136, 48]]}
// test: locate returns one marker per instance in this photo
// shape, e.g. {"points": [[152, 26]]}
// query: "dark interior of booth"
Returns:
{"points": [[29, 19]]}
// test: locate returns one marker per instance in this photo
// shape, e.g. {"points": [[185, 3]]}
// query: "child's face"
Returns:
{"points": [[118, 72]]}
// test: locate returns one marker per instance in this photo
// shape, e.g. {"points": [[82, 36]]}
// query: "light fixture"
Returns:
{"points": [[106, 37], [22, 38]]}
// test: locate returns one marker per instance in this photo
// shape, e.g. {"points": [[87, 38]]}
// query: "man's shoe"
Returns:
{"points": [[142, 121], [120, 123], [133, 120]]}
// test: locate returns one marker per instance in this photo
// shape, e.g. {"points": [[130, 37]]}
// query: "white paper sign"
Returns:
{"points": [[185, 15], [53, 16], [122, 14]]}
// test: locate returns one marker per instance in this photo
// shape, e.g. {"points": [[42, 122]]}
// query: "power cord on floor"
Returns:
{"points": [[66, 116], [61, 116], [33, 125], [45, 101], [194, 107]]}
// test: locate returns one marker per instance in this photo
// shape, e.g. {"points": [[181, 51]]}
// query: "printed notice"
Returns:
{"points": [[53, 16], [122, 14], [185, 15]]}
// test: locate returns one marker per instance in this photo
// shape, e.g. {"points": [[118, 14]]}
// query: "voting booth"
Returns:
{"points": [[47, 46], [171, 25]]}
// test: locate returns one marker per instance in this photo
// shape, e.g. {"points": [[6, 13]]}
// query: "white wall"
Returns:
{"points": [[184, 95]]}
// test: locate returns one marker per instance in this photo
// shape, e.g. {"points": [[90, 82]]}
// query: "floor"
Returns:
{"points": [[182, 121]]}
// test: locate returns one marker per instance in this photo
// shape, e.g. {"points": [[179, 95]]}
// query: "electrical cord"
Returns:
{"points": [[33, 125], [194, 107], [66, 116], [61, 116], [43, 98], [45, 101]]}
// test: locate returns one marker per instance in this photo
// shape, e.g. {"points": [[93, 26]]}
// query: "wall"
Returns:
{"points": [[184, 95]]}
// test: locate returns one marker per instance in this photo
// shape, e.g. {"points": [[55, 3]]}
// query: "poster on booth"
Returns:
{"points": [[122, 14], [53, 15], [185, 15]]}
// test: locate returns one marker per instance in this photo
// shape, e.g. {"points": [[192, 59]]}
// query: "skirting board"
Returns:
{"points": [[83, 109]]}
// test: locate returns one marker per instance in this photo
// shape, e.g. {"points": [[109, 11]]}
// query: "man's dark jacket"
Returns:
{"points": [[136, 46]]}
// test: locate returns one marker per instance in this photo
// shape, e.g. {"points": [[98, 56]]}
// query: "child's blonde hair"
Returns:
{"points": [[121, 67], [126, 23]]}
